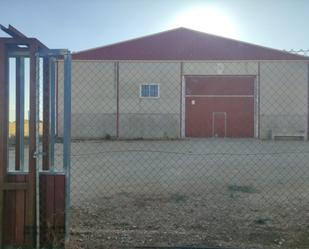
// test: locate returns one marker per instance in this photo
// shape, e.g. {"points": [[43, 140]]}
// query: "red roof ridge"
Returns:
{"points": [[129, 40], [281, 53], [247, 43]]}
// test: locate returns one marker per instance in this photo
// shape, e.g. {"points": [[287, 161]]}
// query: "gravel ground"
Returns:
{"points": [[201, 192], [240, 193]]}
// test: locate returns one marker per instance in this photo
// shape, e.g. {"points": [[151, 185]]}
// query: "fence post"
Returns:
{"points": [[67, 141], [3, 131]]}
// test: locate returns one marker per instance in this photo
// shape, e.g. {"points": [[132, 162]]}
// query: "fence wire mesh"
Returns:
{"points": [[304, 52], [186, 154]]}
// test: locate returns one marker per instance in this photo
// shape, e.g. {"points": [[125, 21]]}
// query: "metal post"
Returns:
{"points": [[258, 102], [46, 113], [307, 127], [116, 66], [52, 116], [20, 99], [4, 68], [22, 114], [31, 196], [181, 100], [67, 140], [37, 171]]}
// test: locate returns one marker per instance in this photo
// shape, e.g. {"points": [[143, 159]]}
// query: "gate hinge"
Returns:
{"points": [[36, 154]]}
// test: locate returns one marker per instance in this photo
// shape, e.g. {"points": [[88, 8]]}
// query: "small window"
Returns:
{"points": [[149, 91]]}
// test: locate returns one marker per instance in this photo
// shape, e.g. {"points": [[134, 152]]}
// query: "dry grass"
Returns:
{"points": [[12, 128]]}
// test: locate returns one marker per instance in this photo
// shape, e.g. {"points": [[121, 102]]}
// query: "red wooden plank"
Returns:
{"points": [[47, 208], [12, 210], [20, 213], [50, 199], [14, 218], [9, 214], [52, 212], [59, 207], [43, 200], [7, 235]]}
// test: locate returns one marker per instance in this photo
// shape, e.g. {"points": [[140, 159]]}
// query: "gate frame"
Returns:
{"points": [[19, 46]]}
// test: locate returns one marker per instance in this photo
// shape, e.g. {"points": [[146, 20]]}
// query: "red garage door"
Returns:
{"points": [[219, 106]]}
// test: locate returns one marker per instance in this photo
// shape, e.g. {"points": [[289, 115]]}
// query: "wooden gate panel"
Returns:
{"points": [[52, 210], [20, 212], [18, 190], [14, 208]]}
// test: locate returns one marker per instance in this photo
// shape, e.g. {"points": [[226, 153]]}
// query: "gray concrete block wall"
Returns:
{"points": [[93, 99], [149, 125], [283, 97], [93, 125], [149, 117]]}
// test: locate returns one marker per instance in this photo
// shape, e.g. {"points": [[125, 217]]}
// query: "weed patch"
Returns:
{"points": [[242, 188]]}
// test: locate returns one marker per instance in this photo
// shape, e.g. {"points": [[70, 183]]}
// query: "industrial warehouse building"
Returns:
{"points": [[185, 83]]}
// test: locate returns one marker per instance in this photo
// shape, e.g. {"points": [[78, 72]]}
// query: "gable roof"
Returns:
{"points": [[184, 44]]}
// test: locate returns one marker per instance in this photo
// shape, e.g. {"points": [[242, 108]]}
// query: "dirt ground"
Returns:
{"points": [[224, 220], [192, 193], [239, 193]]}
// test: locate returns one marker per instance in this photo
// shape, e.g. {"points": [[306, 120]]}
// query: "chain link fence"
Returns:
{"points": [[304, 52], [188, 154]]}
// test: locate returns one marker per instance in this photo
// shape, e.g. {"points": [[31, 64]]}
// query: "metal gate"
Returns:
{"points": [[34, 183]]}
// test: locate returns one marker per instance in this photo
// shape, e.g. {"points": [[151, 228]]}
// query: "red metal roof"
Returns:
{"points": [[184, 44]]}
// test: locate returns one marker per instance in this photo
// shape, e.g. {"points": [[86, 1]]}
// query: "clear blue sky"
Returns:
{"points": [[81, 24]]}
